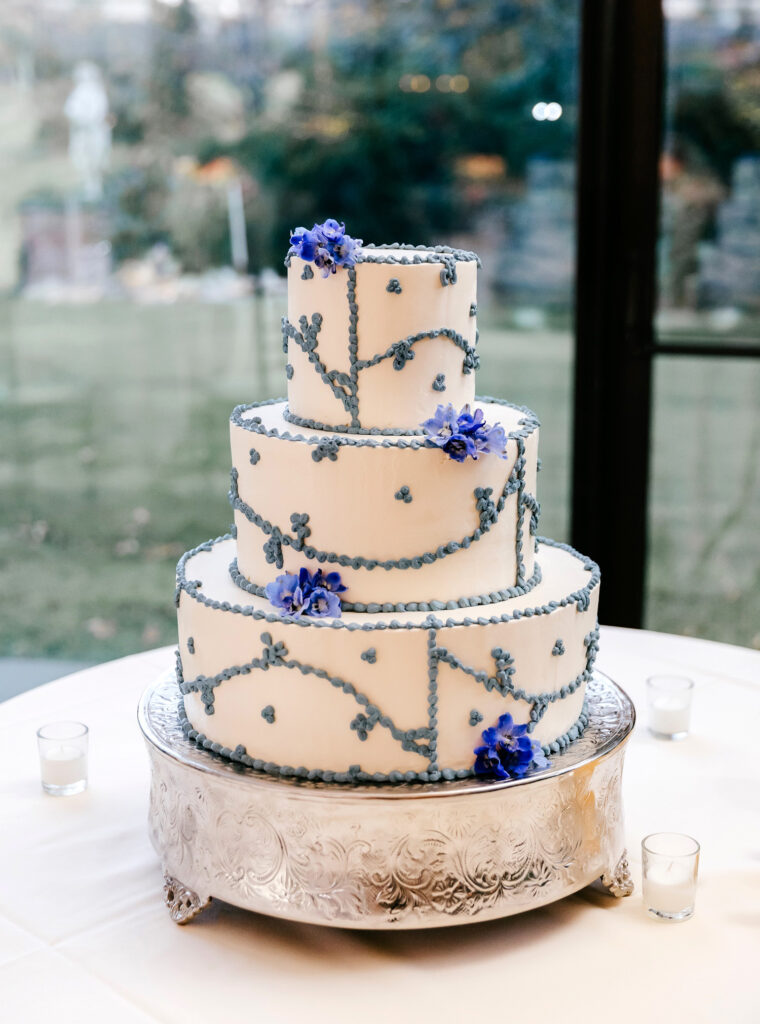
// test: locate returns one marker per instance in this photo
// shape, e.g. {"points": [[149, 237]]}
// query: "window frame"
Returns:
{"points": [[622, 84]]}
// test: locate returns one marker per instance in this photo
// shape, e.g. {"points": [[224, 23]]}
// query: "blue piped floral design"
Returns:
{"points": [[307, 274], [309, 331], [475, 717], [273, 548], [306, 594], [326, 450], [364, 724], [403, 494], [559, 647], [471, 361], [370, 655], [274, 653], [439, 384], [465, 434], [254, 456], [289, 371], [505, 667], [508, 752], [326, 245], [449, 274], [485, 506], [267, 714], [206, 691], [394, 286], [299, 522], [402, 353]]}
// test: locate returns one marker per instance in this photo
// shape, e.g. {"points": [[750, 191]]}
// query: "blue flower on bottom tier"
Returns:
{"points": [[465, 434], [307, 594], [508, 751], [326, 245]]}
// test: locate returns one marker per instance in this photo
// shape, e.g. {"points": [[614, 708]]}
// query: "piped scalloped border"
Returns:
{"points": [[580, 597], [497, 596], [397, 253], [403, 438]]}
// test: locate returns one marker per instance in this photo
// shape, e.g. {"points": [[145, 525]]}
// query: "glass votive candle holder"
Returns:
{"points": [[669, 863], [63, 757], [669, 701]]}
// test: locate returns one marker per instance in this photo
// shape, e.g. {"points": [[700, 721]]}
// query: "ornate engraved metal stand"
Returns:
{"points": [[406, 856]]}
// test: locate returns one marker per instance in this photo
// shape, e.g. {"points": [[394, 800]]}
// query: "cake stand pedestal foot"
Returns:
{"points": [[183, 904], [618, 882]]}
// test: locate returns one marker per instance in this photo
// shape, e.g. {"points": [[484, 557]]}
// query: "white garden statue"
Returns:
{"points": [[89, 128]]}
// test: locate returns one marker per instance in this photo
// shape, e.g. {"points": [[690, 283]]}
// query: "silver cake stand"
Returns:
{"points": [[405, 856]]}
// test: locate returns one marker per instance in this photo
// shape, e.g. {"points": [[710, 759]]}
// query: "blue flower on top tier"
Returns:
{"points": [[465, 434], [326, 245], [508, 751], [306, 594]]}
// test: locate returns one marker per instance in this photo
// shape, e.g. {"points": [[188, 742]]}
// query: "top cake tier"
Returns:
{"points": [[378, 346]]}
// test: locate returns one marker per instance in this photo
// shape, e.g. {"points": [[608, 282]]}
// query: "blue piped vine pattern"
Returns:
{"points": [[275, 655], [487, 506], [345, 386], [488, 511], [422, 741]]}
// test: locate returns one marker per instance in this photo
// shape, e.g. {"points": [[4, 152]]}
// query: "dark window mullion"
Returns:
{"points": [[618, 195]]}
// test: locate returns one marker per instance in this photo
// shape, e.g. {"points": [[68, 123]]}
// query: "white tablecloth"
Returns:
{"points": [[84, 935]]}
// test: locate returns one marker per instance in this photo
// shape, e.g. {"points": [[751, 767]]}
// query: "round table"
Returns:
{"points": [[85, 935]]}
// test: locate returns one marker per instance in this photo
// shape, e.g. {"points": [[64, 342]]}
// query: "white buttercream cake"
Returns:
{"points": [[384, 610]]}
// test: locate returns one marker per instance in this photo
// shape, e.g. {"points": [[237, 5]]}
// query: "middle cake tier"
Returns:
{"points": [[407, 527]]}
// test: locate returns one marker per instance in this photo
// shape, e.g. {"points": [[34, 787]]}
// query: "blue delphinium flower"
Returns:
{"points": [[326, 245], [508, 751], [306, 594], [464, 435], [304, 243]]}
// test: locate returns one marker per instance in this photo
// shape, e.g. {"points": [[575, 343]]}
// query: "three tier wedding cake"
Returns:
{"points": [[384, 610]]}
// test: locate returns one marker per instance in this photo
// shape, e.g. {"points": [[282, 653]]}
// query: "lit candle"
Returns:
{"points": [[669, 706], [63, 757]]}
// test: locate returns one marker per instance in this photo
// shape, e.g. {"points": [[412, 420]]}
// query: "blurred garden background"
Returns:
{"points": [[154, 156]]}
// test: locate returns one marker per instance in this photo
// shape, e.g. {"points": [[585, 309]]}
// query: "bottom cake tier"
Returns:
{"points": [[389, 697]]}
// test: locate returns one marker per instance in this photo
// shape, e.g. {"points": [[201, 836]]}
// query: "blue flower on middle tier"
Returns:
{"points": [[465, 434], [508, 752], [310, 594]]}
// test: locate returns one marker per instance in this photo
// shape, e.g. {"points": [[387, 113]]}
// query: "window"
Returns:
{"points": [[704, 555], [156, 155]]}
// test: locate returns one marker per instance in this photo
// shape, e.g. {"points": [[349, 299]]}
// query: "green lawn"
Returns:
{"points": [[114, 459]]}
